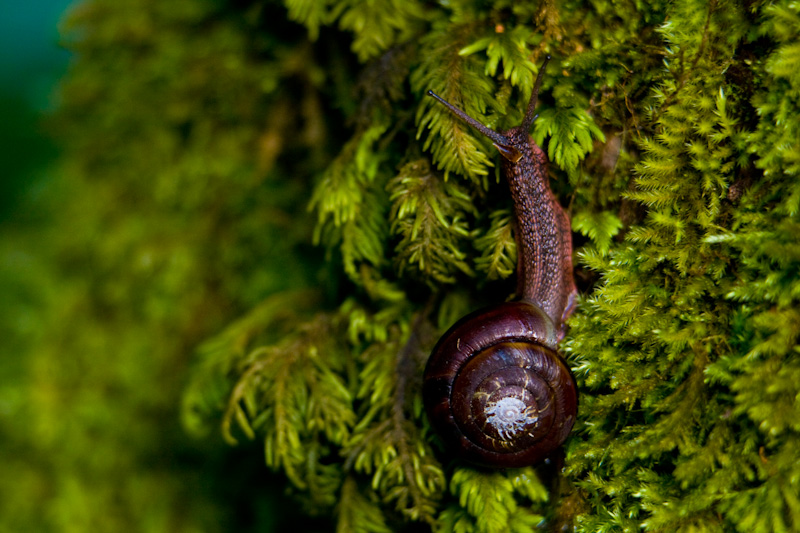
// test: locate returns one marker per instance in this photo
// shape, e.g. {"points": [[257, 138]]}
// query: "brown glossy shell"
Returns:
{"points": [[502, 352]]}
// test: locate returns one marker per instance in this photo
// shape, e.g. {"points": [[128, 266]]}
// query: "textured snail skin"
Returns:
{"points": [[495, 389]]}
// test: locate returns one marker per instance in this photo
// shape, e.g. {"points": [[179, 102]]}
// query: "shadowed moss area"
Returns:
{"points": [[219, 304]]}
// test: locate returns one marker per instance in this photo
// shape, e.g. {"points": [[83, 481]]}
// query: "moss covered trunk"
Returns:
{"points": [[260, 225]]}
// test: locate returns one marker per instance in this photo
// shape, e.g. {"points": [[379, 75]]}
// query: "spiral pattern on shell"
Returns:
{"points": [[495, 389]]}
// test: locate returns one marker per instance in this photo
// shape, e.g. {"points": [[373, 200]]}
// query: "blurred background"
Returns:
{"points": [[101, 308], [31, 62]]}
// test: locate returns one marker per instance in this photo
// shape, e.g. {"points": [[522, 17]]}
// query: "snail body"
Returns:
{"points": [[496, 390]]}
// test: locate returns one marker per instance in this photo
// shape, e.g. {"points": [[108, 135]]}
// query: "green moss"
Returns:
{"points": [[268, 224]]}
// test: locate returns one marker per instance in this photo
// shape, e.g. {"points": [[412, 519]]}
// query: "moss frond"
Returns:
{"points": [[497, 246], [430, 218], [459, 81]]}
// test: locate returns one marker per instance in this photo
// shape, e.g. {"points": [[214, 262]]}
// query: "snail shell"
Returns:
{"points": [[495, 389]]}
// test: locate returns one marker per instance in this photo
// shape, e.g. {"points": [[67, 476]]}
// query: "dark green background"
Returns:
{"points": [[30, 64]]}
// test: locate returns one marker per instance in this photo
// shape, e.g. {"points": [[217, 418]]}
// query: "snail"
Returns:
{"points": [[495, 389]]}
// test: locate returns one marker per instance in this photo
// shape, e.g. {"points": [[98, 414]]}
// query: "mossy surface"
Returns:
{"points": [[260, 225]]}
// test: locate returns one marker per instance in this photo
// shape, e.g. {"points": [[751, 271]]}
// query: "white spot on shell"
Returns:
{"points": [[509, 416]]}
